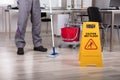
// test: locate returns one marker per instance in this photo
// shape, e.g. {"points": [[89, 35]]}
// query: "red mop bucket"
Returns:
{"points": [[70, 34]]}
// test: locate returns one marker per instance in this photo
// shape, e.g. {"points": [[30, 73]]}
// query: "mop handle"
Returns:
{"points": [[52, 23]]}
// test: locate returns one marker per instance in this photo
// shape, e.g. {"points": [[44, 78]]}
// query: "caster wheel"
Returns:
{"points": [[60, 46], [73, 47], [70, 46]]}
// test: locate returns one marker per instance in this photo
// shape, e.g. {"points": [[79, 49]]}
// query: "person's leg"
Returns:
{"points": [[24, 11], [36, 26]]}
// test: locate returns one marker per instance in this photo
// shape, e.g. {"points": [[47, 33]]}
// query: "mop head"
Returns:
{"points": [[53, 55]]}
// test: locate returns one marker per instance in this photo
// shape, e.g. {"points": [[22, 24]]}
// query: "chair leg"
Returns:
{"points": [[47, 28], [118, 34], [102, 39], [106, 35]]}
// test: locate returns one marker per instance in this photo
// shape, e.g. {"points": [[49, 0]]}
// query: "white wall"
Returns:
{"points": [[55, 3], [14, 14], [105, 4], [98, 3], [8, 2], [102, 3]]}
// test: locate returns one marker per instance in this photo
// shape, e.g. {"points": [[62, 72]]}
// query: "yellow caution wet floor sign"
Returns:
{"points": [[90, 46]]}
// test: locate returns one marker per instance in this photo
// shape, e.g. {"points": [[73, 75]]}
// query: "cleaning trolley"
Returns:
{"points": [[70, 35]]}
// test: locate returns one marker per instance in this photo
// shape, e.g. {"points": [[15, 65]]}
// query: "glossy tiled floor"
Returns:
{"points": [[37, 66]]}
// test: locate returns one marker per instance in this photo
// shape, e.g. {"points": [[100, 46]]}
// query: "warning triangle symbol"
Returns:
{"points": [[91, 45]]}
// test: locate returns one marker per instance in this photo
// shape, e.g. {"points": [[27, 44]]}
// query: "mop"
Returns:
{"points": [[54, 54]]}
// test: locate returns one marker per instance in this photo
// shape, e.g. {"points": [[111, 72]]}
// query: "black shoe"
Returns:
{"points": [[40, 48], [20, 51]]}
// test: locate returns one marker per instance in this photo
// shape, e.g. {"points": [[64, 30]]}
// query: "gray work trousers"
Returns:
{"points": [[27, 7]]}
